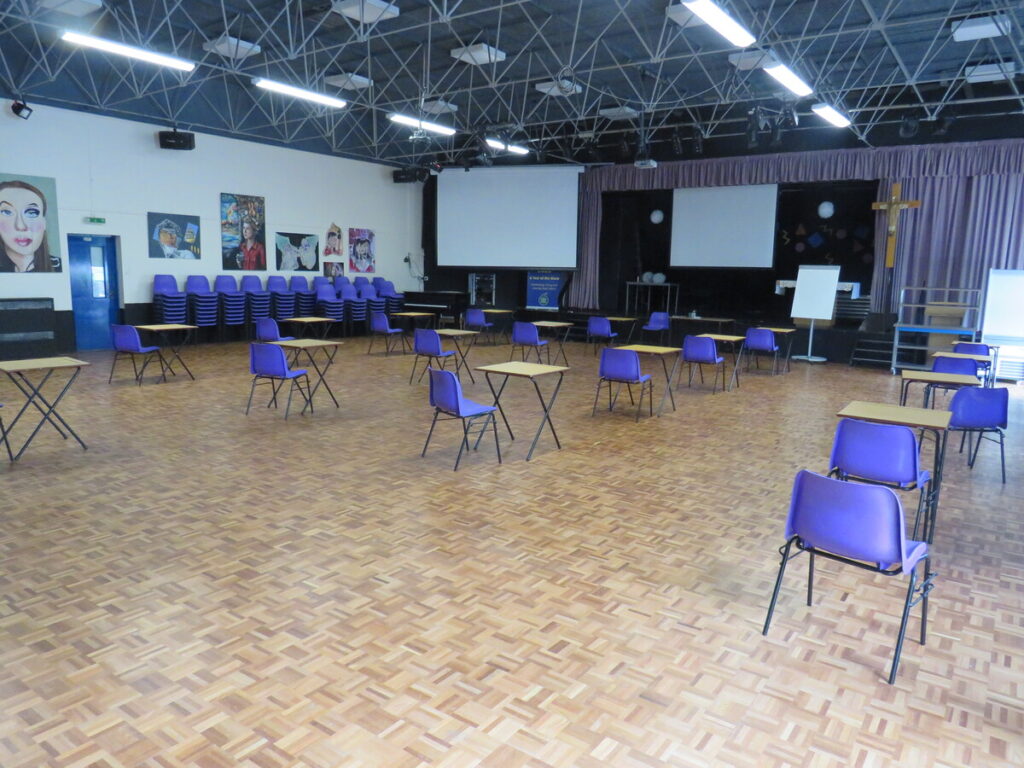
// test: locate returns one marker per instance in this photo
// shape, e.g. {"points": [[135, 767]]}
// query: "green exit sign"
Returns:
{"points": [[95, 220]]}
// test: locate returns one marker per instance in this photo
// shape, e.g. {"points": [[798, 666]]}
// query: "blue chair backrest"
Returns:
{"points": [[961, 365], [197, 284], [367, 291], [252, 284], [164, 284], [320, 280], [699, 349], [379, 322], [475, 316], [978, 408], [885, 453], [267, 330], [126, 338], [225, 284], [599, 326], [388, 289], [349, 291], [619, 364], [855, 520], [298, 283], [761, 339], [325, 292], [425, 341], [971, 348], [339, 281], [378, 283], [659, 321], [360, 280], [267, 360], [524, 333], [445, 391], [277, 284]]}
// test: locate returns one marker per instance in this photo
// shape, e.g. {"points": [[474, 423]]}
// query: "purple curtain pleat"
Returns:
{"points": [[971, 218]]}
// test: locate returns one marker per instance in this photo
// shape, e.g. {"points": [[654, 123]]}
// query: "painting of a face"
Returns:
{"points": [[168, 238], [247, 231], [22, 220], [362, 249]]}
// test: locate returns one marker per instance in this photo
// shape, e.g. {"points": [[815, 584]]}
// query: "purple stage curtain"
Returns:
{"points": [[971, 216]]}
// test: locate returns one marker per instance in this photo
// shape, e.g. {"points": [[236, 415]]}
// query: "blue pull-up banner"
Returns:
{"points": [[542, 288]]}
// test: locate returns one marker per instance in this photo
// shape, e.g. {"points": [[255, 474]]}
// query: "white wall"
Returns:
{"points": [[115, 169]]}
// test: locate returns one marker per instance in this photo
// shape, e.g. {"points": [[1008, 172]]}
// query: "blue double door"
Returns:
{"points": [[94, 293]]}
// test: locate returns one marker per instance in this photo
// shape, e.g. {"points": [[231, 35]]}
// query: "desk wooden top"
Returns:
{"points": [[617, 319], [40, 364], [704, 319], [776, 330], [307, 343], [518, 368], [498, 311], [648, 349], [412, 314], [455, 332], [721, 337], [885, 413], [166, 327], [937, 377], [964, 356], [551, 324], [308, 320]]}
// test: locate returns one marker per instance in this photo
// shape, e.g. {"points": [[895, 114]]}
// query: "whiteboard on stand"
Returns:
{"points": [[815, 295]]}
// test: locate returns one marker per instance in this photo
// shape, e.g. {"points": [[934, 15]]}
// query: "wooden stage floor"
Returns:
{"points": [[201, 588]]}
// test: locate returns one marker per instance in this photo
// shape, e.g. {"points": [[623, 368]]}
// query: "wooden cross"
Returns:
{"points": [[892, 207]]}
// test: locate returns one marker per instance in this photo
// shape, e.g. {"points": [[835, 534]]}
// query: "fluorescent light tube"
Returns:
{"points": [[831, 114], [126, 50], [790, 79], [298, 93], [721, 22], [513, 148], [444, 130]]}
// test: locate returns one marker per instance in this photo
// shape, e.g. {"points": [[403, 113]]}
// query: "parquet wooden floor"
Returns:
{"points": [[201, 588]]}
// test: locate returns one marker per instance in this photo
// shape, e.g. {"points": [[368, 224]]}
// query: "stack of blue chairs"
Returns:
{"points": [[283, 300], [359, 281], [202, 302], [257, 300], [169, 304], [328, 304], [374, 303], [378, 283], [339, 282], [305, 299], [232, 300], [355, 307], [395, 301], [321, 280]]}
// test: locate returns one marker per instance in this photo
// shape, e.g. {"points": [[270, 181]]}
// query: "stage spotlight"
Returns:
{"points": [[909, 127], [677, 143], [698, 142], [777, 132], [21, 109], [942, 125], [624, 149]]}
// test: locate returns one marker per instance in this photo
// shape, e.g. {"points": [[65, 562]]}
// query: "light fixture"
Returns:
{"points": [[790, 79], [415, 122], [513, 148], [231, 47], [991, 73], [721, 22], [299, 93], [478, 54], [618, 113], [21, 109], [439, 107], [127, 50], [747, 60], [943, 125], [909, 127], [830, 114], [365, 11], [348, 81], [560, 87], [980, 27]]}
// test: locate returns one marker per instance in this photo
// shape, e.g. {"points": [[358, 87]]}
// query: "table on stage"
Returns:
{"points": [[22, 372], [502, 320], [613, 319], [935, 422], [309, 347], [732, 341], [719, 321], [555, 326], [662, 352], [531, 371], [460, 354], [302, 323], [164, 331], [990, 360], [931, 379]]}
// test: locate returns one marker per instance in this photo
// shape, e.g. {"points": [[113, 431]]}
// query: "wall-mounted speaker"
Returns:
{"points": [[176, 140]]}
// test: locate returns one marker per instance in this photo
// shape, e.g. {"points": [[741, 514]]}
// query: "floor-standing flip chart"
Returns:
{"points": [[814, 299]]}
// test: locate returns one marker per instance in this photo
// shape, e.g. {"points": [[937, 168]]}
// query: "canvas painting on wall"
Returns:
{"points": [[297, 253], [29, 231], [242, 232], [172, 236], [362, 250], [333, 269]]}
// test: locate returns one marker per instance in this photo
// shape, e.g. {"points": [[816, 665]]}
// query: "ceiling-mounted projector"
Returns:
{"points": [[645, 162]]}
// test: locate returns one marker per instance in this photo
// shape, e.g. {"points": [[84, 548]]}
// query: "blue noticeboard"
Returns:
{"points": [[542, 288]]}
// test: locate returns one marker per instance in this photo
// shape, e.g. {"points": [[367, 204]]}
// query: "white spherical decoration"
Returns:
{"points": [[657, 216], [659, 278], [647, 277], [826, 210]]}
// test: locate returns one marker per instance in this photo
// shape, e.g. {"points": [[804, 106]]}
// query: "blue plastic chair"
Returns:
{"points": [[600, 328], [127, 344], [961, 366], [659, 322], [859, 525], [169, 304], [525, 336], [328, 304], [426, 343], [283, 304], [257, 300], [975, 348], [984, 412], [267, 330], [447, 399], [884, 454], [305, 299], [379, 326], [622, 366], [476, 320], [355, 308], [269, 365], [761, 341], [701, 351]]}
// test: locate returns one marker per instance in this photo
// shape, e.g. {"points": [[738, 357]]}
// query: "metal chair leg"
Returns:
{"points": [[778, 584], [903, 626]]}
